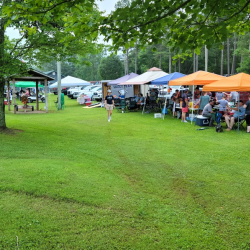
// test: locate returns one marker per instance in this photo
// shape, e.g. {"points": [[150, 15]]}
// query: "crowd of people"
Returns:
{"points": [[208, 104]]}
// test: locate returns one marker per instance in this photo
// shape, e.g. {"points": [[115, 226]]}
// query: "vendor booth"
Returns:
{"points": [[144, 80], [123, 90], [196, 78], [238, 83]]}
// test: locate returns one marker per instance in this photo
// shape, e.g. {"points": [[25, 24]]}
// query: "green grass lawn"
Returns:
{"points": [[71, 180]]}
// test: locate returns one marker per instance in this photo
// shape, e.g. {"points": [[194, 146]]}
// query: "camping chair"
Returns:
{"points": [[240, 123], [132, 106], [122, 106]]}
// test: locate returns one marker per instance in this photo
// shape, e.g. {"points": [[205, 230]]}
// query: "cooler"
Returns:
{"points": [[201, 121]]}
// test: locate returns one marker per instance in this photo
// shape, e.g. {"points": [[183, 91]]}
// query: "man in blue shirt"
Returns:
{"points": [[109, 104], [239, 112]]}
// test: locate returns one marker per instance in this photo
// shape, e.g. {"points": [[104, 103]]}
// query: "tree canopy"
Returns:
{"points": [[111, 68], [186, 24]]}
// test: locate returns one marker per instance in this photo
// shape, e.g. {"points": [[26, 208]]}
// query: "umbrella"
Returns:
{"points": [[122, 79], [239, 83], [27, 85], [197, 78], [70, 81]]}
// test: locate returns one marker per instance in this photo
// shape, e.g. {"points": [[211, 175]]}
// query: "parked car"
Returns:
{"points": [[89, 92], [97, 95], [64, 91], [163, 93], [71, 91], [32, 98]]}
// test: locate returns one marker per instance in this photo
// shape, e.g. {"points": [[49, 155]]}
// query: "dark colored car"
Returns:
{"points": [[64, 91]]}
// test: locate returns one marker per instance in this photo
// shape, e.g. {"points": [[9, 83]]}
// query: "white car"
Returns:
{"points": [[97, 95], [71, 91], [87, 92]]}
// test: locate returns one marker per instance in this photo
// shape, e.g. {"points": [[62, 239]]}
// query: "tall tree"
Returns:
{"points": [[111, 68], [46, 30]]}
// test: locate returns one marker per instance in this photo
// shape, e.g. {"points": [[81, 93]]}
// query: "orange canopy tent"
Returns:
{"points": [[197, 78], [239, 82]]}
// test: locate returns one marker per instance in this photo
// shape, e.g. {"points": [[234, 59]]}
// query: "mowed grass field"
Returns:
{"points": [[71, 180]]}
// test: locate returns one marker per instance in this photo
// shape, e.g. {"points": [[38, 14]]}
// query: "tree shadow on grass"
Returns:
{"points": [[10, 131]]}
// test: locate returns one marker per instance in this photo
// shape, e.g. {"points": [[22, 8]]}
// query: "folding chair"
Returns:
{"points": [[240, 123]]}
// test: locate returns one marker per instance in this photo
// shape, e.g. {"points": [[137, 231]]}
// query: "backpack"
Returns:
{"points": [[219, 128]]}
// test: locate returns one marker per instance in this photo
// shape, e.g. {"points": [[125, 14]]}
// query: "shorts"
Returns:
{"points": [[109, 107], [185, 110]]}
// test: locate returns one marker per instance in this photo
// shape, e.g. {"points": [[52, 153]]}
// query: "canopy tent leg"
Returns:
{"points": [[14, 96]]}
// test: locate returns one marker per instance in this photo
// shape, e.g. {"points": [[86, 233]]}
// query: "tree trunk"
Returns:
{"points": [[206, 58], [2, 80], [228, 59], [136, 55], [174, 64], [197, 63], [222, 60], [127, 61], [234, 56], [170, 62]]}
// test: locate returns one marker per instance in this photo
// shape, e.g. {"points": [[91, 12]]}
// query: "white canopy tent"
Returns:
{"points": [[70, 81], [147, 77]]}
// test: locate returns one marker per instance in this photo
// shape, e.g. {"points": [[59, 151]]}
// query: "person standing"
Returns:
{"points": [[109, 104], [184, 106], [203, 101], [247, 112]]}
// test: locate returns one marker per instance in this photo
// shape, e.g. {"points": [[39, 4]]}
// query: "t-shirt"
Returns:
{"points": [[223, 105], [109, 99], [234, 96], [184, 97], [219, 95], [208, 109], [240, 113], [248, 107]]}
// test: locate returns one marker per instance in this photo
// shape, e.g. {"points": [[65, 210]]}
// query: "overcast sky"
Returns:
{"points": [[105, 5]]}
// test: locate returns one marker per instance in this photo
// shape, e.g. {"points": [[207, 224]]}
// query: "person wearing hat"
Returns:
{"points": [[109, 104], [238, 112]]}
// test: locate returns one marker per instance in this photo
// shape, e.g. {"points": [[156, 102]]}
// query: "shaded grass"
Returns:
{"points": [[71, 180]]}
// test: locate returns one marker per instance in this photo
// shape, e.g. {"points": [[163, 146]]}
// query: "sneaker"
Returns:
{"points": [[110, 118], [186, 121], [228, 129], [181, 121]]}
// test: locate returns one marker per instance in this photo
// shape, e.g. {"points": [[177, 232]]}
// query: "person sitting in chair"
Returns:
{"points": [[208, 112], [239, 113]]}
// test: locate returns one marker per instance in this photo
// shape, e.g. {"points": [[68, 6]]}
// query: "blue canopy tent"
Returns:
{"points": [[164, 81]]}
